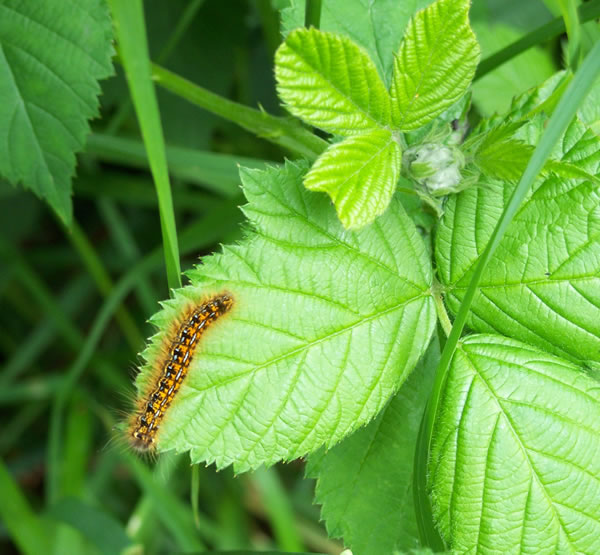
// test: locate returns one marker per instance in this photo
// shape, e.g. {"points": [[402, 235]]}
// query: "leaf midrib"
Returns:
{"points": [[375, 123], [301, 348]]}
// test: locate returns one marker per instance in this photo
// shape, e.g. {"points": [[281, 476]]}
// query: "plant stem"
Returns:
{"points": [[440, 308], [312, 13], [570, 16], [284, 132], [550, 30]]}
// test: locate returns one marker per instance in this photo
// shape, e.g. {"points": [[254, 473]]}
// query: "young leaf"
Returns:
{"points": [[52, 54], [435, 64], [376, 26], [326, 326], [543, 284], [505, 160], [365, 483], [330, 82], [360, 176], [514, 464]]}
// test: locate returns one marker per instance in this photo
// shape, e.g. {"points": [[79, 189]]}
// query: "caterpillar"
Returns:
{"points": [[172, 368]]}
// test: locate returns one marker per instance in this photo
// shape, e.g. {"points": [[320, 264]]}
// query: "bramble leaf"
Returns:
{"points": [[360, 176], [514, 463], [543, 284], [330, 82], [326, 326], [435, 64], [505, 160], [365, 483], [48, 94], [376, 26]]}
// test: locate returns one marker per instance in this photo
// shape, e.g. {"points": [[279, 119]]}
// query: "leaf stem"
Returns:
{"points": [[312, 13], [568, 9], [285, 132], [561, 118], [550, 30], [440, 308]]}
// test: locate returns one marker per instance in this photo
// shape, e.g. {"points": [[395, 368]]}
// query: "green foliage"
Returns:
{"points": [[543, 284], [493, 92], [514, 460], [376, 26], [360, 175], [307, 326], [487, 446], [365, 493], [435, 64], [331, 83], [45, 102]]}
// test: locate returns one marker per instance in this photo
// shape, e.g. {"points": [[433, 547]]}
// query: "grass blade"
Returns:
{"points": [[131, 33], [550, 30]]}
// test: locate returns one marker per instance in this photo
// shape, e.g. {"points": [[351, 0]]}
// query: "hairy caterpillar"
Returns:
{"points": [[172, 368]]}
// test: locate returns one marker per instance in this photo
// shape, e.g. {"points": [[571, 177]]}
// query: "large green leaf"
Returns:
{"points": [[326, 326], [360, 176], [330, 82], [51, 55], [376, 26], [365, 483], [543, 284], [514, 462], [435, 64]]}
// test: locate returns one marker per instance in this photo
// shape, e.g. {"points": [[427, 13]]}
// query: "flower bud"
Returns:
{"points": [[434, 166]]}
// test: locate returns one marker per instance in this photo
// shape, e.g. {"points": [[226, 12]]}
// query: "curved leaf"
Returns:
{"points": [[514, 463], [365, 483], [325, 327], [330, 82], [435, 64], [48, 94], [360, 176], [543, 284]]}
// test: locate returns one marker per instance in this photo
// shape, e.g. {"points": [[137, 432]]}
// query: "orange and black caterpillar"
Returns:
{"points": [[173, 368]]}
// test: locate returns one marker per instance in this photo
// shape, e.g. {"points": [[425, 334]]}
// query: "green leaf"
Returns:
{"points": [[365, 483], [360, 176], [514, 464], [285, 371], [330, 82], [51, 57], [504, 160], [376, 26], [435, 64], [543, 284]]}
